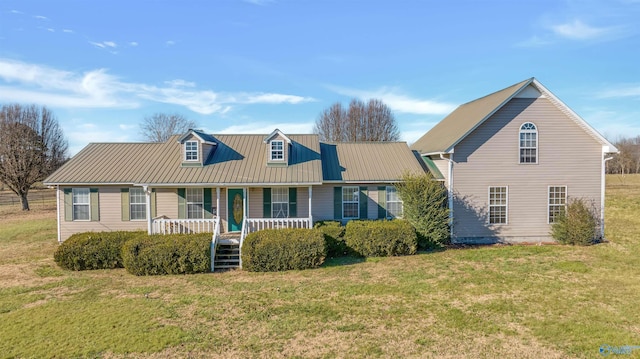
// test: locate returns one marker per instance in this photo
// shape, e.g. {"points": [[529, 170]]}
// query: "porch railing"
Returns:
{"points": [[257, 224], [179, 226]]}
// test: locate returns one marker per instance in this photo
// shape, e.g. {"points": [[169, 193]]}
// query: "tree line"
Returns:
{"points": [[628, 159]]}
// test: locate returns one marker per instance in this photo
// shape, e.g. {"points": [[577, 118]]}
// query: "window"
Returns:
{"points": [[557, 201], [350, 202], [279, 202], [498, 197], [528, 143], [195, 203], [81, 204], [191, 151], [394, 203], [137, 204], [277, 150]]}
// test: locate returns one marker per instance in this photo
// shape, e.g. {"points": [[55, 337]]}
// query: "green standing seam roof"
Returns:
{"points": [[433, 168]]}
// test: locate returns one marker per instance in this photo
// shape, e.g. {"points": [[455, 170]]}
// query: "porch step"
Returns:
{"points": [[227, 256]]}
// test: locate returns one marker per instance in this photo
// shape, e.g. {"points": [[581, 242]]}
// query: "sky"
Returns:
{"points": [[250, 66]]}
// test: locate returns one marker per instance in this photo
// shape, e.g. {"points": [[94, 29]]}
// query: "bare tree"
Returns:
{"points": [[32, 146], [160, 126], [372, 121], [628, 159]]}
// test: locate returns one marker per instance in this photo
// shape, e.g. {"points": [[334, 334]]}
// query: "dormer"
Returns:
{"points": [[196, 146], [278, 145]]}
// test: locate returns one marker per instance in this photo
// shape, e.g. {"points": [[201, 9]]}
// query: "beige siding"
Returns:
{"points": [[167, 202], [322, 206], [443, 167], [567, 155], [372, 202], [256, 204]]}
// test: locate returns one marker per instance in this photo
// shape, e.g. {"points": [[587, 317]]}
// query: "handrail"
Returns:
{"points": [[214, 243], [257, 224], [243, 233], [173, 226]]}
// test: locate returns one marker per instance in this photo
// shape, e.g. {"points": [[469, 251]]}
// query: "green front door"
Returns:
{"points": [[235, 209]]}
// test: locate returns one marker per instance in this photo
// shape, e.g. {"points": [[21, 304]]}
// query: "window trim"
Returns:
{"points": [[74, 204], [273, 151], [273, 201], [549, 204], [505, 205], [131, 203], [387, 201], [188, 151], [357, 201], [520, 147], [187, 202]]}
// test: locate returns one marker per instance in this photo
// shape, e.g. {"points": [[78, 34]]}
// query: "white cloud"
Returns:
{"points": [[133, 44], [170, 43], [259, 2], [51, 29], [40, 17], [16, 12], [399, 102], [577, 30], [127, 127], [99, 89], [620, 91], [266, 128], [68, 31], [110, 44]]}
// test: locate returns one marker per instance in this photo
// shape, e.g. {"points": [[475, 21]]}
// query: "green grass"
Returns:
{"points": [[549, 301]]}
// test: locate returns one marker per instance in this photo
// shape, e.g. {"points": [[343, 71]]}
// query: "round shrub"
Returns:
{"points": [[577, 225], [93, 250], [273, 250], [381, 238], [333, 232], [168, 254]]}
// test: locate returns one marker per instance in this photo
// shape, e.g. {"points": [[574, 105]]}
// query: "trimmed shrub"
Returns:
{"points": [[168, 254], [577, 225], [381, 238], [333, 232], [93, 250], [273, 250]]}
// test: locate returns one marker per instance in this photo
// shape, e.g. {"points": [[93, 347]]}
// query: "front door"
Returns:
{"points": [[235, 209]]}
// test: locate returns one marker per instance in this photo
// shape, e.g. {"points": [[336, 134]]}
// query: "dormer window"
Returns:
{"points": [[277, 150], [191, 151]]}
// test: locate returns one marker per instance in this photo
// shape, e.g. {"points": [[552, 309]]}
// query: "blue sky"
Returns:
{"points": [[250, 66]]}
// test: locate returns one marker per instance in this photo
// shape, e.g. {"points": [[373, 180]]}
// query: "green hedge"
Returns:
{"points": [[578, 225], [93, 250], [333, 232], [272, 250], [168, 254], [381, 238]]}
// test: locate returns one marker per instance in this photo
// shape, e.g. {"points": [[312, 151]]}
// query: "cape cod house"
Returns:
{"points": [[509, 161]]}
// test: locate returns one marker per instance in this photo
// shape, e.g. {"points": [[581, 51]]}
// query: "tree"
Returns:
{"points": [[424, 202], [32, 146], [160, 126], [372, 121]]}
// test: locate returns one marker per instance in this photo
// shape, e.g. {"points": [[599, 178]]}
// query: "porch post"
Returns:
{"points": [[310, 201], [218, 202], [147, 194]]}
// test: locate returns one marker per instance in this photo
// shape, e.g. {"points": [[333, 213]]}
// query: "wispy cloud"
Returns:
{"points": [[98, 89], [574, 30], [266, 127], [16, 12], [578, 30], [398, 101], [40, 17], [625, 90], [104, 44], [170, 43], [259, 2], [68, 31], [133, 44]]}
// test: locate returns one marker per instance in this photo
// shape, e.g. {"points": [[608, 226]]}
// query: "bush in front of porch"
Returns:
{"points": [[273, 250], [93, 250], [168, 254], [381, 238], [333, 232]]}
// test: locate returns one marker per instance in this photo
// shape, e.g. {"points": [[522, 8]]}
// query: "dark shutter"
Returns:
{"points": [[266, 202], [337, 203], [293, 202], [382, 202], [124, 203], [68, 204], [364, 205], [182, 203], [207, 203], [153, 203], [95, 204]]}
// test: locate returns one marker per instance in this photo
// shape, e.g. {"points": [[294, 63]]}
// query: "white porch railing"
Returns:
{"points": [[257, 224], [178, 226]]}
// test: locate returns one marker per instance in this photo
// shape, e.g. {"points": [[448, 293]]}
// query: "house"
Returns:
{"points": [[229, 185], [510, 161]]}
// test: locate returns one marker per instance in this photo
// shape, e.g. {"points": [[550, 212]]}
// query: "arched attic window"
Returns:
{"points": [[528, 143]]}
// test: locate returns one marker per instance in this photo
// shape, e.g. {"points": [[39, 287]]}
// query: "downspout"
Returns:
{"points": [[58, 211], [450, 190], [147, 195], [602, 190]]}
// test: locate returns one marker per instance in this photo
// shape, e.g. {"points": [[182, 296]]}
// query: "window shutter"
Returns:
{"points": [[293, 202], [363, 203], [266, 203], [207, 203], [68, 204], [337, 202], [124, 201], [182, 203], [382, 202], [95, 205], [153, 203]]}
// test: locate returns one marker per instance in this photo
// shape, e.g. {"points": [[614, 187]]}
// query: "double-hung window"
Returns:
{"points": [[280, 202], [498, 200], [277, 150], [557, 201], [191, 151], [528, 143], [137, 204], [350, 202], [394, 203], [81, 204], [195, 203]]}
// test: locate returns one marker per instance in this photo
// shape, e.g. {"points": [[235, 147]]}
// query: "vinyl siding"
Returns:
{"points": [[567, 155], [256, 203], [443, 167], [372, 202], [322, 205], [167, 202]]}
